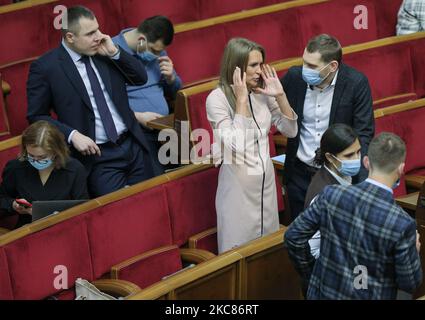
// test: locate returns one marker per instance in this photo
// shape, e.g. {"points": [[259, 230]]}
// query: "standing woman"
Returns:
{"points": [[44, 171], [248, 100]]}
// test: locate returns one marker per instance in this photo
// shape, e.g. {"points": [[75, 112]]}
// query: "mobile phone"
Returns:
{"points": [[23, 203]]}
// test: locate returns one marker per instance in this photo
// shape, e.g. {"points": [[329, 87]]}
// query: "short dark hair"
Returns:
{"points": [[328, 46], [156, 28], [336, 139], [386, 152], [74, 15]]}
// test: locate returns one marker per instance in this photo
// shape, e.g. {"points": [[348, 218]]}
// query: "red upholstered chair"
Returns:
{"points": [[4, 122], [276, 32], [178, 11], [418, 67], [32, 30], [6, 291], [212, 8], [128, 227], [386, 69], [16, 75], [32, 261], [335, 18], [386, 17], [196, 54], [192, 209]]}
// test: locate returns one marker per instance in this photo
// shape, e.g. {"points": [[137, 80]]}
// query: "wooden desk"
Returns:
{"points": [[166, 122], [408, 201]]}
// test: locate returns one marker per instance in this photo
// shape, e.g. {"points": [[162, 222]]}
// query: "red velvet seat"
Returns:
{"points": [[336, 18], [128, 227], [386, 19], [4, 122], [6, 292], [191, 202], [32, 260]]}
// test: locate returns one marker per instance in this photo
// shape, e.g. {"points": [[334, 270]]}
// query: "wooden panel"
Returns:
{"points": [[219, 285], [270, 275]]}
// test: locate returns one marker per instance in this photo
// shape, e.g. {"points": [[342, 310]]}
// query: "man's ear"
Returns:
{"points": [[400, 169], [69, 37], [334, 66], [366, 162]]}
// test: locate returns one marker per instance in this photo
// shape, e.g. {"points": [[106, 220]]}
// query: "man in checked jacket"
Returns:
{"points": [[369, 245]]}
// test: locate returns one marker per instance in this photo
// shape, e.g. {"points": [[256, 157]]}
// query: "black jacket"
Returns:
{"points": [[351, 104]]}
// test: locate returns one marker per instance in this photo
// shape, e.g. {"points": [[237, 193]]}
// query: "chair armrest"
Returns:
{"points": [[116, 287], [196, 237], [3, 231], [195, 255], [414, 181], [5, 88]]}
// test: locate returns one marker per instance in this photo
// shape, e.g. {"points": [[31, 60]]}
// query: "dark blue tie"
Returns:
{"points": [[102, 106]]}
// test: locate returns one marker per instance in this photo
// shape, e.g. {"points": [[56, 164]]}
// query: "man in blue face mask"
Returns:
{"points": [[323, 91], [148, 42]]}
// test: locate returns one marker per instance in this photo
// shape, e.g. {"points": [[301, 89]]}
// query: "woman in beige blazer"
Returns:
{"points": [[248, 100]]}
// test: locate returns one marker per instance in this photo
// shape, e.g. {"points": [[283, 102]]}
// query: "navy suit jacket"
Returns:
{"points": [[55, 84], [351, 104]]}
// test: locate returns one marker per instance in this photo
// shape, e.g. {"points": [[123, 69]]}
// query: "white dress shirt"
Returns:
{"points": [[101, 136], [317, 110]]}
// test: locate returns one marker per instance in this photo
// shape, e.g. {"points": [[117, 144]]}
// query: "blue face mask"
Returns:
{"points": [[312, 77], [40, 164], [349, 167]]}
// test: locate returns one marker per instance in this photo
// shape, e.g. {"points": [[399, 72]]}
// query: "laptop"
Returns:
{"points": [[42, 209]]}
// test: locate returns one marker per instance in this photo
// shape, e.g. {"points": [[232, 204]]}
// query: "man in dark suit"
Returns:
{"points": [[369, 246], [323, 92], [84, 82]]}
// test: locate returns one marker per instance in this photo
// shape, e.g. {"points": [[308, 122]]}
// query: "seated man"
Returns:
{"points": [[411, 17], [148, 42], [369, 245]]}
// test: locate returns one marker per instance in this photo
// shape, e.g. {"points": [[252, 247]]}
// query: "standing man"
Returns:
{"points": [[322, 92], [369, 245], [148, 42], [84, 82]]}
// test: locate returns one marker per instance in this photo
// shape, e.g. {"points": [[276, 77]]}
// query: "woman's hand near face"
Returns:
{"points": [[241, 92], [272, 85]]}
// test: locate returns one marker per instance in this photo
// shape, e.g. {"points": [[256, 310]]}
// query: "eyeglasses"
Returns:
{"points": [[39, 161]]}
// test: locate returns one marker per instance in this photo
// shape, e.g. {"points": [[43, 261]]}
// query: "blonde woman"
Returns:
{"points": [[248, 100], [43, 171]]}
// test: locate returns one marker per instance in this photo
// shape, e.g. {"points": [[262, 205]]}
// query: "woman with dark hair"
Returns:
{"points": [[43, 171], [339, 158], [248, 100]]}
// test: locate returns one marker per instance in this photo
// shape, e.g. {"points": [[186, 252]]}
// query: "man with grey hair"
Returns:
{"points": [[322, 92], [369, 245], [411, 17]]}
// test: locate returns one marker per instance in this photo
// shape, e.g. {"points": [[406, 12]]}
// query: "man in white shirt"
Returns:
{"points": [[411, 17], [322, 92]]}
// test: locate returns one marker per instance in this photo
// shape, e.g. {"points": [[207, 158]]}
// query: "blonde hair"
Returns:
{"points": [[46, 136], [235, 54]]}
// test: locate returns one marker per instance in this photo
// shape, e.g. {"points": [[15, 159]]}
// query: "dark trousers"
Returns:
{"points": [[297, 186], [119, 165]]}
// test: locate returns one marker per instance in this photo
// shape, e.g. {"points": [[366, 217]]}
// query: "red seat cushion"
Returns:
{"points": [[4, 122], [386, 19], [32, 259], [150, 267], [128, 227], [6, 292], [191, 201], [417, 172], [335, 18], [213, 8]]}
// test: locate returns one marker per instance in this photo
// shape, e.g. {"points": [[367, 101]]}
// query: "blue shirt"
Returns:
{"points": [[150, 96]]}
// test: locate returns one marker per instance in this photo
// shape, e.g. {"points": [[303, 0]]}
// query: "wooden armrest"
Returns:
{"points": [[195, 255], [3, 231], [409, 201], [166, 122], [280, 140], [421, 298], [414, 181], [116, 287], [196, 237], [5, 87]]}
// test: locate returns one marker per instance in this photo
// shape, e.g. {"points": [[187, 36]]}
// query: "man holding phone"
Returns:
{"points": [[84, 82], [148, 42]]}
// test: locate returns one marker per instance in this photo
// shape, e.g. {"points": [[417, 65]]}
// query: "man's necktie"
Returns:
{"points": [[102, 106]]}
